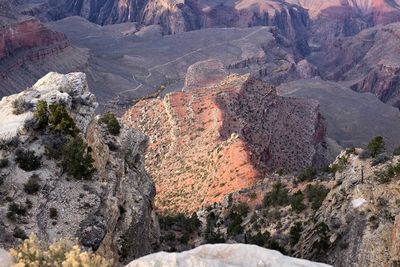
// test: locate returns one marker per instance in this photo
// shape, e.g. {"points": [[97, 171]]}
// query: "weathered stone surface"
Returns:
{"points": [[111, 213], [356, 216], [223, 255]]}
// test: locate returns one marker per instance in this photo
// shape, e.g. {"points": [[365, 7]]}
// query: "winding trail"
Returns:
{"points": [[185, 55]]}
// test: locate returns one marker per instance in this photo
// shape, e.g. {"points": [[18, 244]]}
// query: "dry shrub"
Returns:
{"points": [[63, 253]]}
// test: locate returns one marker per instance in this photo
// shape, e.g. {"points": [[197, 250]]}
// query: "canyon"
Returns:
{"points": [[207, 142], [243, 121]]}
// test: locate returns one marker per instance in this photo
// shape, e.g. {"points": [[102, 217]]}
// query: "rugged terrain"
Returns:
{"points": [[352, 119], [368, 62], [29, 50], [109, 211], [209, 141], [337, 217]]}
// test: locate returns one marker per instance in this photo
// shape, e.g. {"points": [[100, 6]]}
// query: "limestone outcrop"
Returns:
{"points": [[111, 212]]}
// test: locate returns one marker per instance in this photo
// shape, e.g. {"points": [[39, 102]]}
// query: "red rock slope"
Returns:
{"points": [[208, 142]]}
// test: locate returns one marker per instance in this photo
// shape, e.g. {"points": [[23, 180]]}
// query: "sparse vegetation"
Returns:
{"points": [[259, 239], [396, 151], [316, 195], [237, 213], [188, 224], [340, 165], [322, 244], [295, 233], [111, 122], [15, 210], [211, 236], [297, 202], [376, 146], [386, 175], [350, 151], [278, 196], [32, 186], [62, 253], [19, 233], [308, 174], [20, 106], [27, 160], [77, 159]]}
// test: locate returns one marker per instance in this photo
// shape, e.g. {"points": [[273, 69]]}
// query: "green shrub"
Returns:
{"points": [[20, 106], [376, 146], [210, 236], [53, 213], [15, 210], [351, 150], [396, 151], [77, 160], [322, 243], [189, 224], [41, 114], [235, 217], [27, 160], [19, 233], [295, 233], [296, 202], [53, 144], [316, 195], [3, 163], [308, 174], [111, 122], [277, 196], [32, 186], [387, 174], [259, 239], [60, 121]]}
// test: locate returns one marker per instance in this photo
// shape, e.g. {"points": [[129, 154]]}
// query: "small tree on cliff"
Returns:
{"points": [[376, 146], [77, 158]]}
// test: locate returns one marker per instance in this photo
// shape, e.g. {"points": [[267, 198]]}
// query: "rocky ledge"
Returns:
{"points": [[104, 199]]}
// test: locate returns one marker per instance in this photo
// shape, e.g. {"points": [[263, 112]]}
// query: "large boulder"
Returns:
{"points": [[223, 255]]}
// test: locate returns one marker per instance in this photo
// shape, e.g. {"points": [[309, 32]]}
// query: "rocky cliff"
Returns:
{"points": [[360, 212], [105, 201], [209, 141], [374, 67], [180, 16], [25, 41]]}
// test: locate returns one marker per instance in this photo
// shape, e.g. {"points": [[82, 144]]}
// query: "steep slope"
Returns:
{"points": [[180, 16], [28, 50], [368, 62], [347, 17], [207, 142], [352, 119], [357, 215], [110, 210]]}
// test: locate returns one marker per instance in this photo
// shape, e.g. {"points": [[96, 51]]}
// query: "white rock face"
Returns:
{"points": [[223, 255], [5, 259], [70, 89], [358, 202]]}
